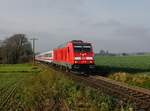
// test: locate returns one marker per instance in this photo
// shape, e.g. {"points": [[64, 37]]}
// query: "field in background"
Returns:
{"points": [[13, 74], [134, 70], [125, 63], [23, 68]]}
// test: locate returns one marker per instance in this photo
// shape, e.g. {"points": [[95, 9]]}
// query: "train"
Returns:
{"points": [[75, 55]]}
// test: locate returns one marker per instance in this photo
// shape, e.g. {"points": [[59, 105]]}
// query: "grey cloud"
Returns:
{"points": [[57, 21], [133, 31], [108, 23]]}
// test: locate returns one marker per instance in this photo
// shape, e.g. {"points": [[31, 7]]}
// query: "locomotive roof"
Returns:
{"points": [[62, 45], [43, 53], [75, 42]]}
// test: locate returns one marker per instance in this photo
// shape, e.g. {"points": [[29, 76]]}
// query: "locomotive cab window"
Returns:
{"points": [[78, 48], [86, 48], [82, 48]]}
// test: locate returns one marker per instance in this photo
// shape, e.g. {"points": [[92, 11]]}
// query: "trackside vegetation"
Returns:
{"points": [[37, 88], [141, 79], [134, 70]]}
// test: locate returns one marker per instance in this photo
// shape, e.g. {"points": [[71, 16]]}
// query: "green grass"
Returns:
{"points": [[135, 62], [13, 73], [43, 90], [14, 68], [11, 77]]}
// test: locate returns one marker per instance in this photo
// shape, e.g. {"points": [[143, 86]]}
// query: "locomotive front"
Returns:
{"points": [[83, 56]]}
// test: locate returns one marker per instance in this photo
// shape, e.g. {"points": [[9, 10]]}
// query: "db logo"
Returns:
{"points": [[83, 58]]}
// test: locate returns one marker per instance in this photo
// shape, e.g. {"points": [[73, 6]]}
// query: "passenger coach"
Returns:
{"points": [[45, 57]]}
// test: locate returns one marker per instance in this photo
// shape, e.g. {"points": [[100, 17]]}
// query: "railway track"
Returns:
{"points": [[139, 97]]}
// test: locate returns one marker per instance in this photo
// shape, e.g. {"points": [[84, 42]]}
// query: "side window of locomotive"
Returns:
{"points": [[68, 49], [61, 54], [77, 48], [55, 57], [68, 53]]}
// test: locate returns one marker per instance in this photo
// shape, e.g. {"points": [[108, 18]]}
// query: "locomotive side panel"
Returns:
{"points": [[63, 56]]}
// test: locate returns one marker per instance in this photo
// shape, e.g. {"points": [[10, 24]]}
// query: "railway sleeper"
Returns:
{"points": [[141, 105]]}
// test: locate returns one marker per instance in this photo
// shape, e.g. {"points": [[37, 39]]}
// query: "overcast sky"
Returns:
{"points": [[114, 25]]}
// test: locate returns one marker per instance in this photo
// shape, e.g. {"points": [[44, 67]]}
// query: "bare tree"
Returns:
{"points": [[17, 48]]}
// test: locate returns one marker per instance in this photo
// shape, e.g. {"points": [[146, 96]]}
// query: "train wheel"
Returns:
{"points": [[67, 70]]}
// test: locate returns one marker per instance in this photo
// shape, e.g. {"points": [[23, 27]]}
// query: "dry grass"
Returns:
{"points": [[142, 80]]}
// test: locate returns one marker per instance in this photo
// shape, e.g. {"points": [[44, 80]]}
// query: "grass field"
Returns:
{"points": [[127, 63], [25, 87], [22, 68], [11, 77], [134, 70], [12, 74]]}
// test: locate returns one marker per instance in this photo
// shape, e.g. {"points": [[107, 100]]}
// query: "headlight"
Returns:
{"points": [[89, 58], [77, 58], [75, 62]]}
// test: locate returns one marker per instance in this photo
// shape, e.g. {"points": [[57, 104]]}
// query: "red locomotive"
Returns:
{"points": [[73, 55]]}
